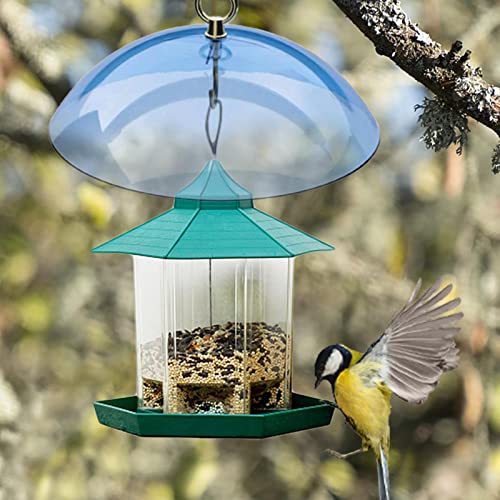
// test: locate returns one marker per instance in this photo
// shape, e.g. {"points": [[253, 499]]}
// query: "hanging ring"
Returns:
{"points": [[226, 19], [216, 24]]}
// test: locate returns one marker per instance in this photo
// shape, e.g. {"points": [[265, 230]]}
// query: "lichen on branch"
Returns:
{"points": [[495, 160], [443, 125]]}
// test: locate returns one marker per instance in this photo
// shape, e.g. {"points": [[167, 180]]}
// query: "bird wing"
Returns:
{"points": [[418, 344]]}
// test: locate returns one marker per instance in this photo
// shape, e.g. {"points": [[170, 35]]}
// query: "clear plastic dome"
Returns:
{"points": [[289, 122]]}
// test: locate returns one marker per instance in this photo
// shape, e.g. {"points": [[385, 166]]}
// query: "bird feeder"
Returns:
{"points": [[213, 276]]}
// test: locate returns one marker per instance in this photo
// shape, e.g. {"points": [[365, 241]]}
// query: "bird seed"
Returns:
{"points": [[210, 371]]}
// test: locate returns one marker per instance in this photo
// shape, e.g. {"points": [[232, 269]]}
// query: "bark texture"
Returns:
{"points": [[447, 73]]}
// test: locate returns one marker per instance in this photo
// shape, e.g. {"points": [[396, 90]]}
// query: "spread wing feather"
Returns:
{"points": [[418, 345]]}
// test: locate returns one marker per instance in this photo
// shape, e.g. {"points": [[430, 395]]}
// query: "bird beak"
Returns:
{"points": [[318, 381]]}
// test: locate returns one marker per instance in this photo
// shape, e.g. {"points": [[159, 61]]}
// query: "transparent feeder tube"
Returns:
{"points": [[268, 322], [228, 335], [150, 325]]}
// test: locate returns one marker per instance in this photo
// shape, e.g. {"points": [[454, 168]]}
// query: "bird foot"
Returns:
{"points": [[344, 456], [330, 403]]}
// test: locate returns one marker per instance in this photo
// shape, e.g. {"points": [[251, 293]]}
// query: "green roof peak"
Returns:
{"points": [[214, 184]]}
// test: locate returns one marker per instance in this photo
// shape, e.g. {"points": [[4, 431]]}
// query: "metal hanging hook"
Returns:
{"points": [[216, 29], [214, 55], [213, 99], [214, 141]]}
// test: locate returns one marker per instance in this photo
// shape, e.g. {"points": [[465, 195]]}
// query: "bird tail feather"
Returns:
{"points": [[384, 489]]}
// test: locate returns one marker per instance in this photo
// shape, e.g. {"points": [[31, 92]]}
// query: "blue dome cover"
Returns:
{"points": [[289, 123]]}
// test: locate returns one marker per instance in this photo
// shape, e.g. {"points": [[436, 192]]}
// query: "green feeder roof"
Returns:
{"points": [[214, 218], [214, 184]]}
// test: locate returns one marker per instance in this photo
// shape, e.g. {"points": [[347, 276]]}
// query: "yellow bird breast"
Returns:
{"points": [[366, 405]]}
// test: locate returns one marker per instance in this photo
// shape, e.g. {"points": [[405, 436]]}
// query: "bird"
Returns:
{"points": [[407, 360]]}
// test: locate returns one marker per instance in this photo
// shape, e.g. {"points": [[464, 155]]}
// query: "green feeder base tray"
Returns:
{"points": [[122, 414]]}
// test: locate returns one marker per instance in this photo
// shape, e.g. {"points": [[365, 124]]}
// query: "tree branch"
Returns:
{"points": [[32, 48], [130, 16], [448, 74], [24, 116], [22, 127]]}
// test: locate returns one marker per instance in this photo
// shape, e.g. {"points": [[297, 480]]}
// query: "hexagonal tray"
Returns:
{"points": [[122, 414]]}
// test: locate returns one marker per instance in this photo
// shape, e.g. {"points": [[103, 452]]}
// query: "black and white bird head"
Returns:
{"points": [[330, 362]]}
